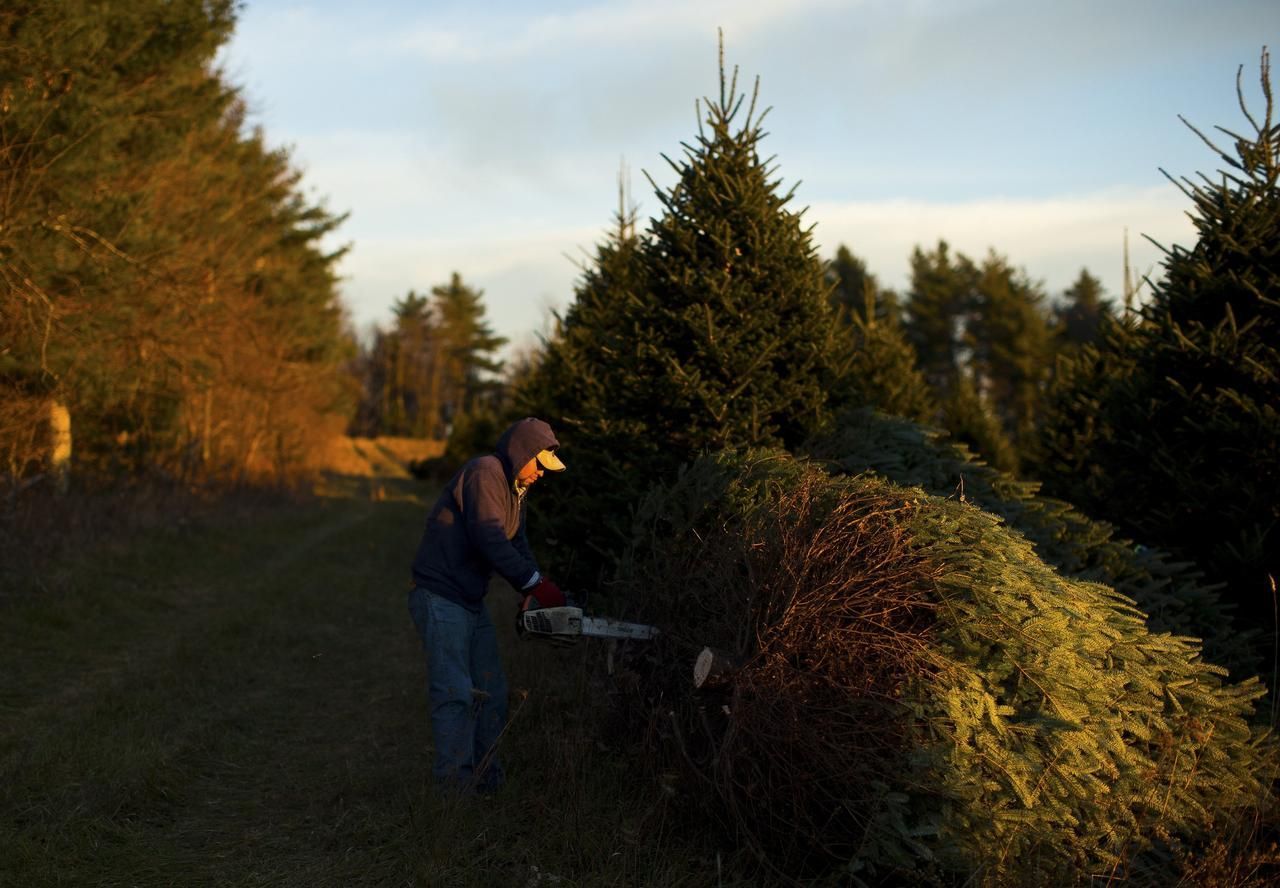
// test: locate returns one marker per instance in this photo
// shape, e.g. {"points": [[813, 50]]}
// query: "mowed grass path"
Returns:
{"points": [[243, 704]]}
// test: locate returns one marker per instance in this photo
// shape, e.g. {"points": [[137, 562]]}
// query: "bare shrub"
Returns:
{"points": [[24, 437]]}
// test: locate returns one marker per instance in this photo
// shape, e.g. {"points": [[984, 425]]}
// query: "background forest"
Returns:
{"points": [[169, 320]]}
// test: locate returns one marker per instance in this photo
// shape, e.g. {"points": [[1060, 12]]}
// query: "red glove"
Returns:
{"points": [[543, 593]]}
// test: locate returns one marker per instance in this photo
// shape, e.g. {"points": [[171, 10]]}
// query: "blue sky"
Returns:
{"points": [[486, 138]]}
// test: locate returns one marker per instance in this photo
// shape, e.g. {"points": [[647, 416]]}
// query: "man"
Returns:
{"points": [[477, 528]]}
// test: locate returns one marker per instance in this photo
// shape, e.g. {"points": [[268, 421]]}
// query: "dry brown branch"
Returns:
{"points": [[790, 743]]}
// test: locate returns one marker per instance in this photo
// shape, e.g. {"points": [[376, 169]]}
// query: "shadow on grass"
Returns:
{"points": [[241, 701]]}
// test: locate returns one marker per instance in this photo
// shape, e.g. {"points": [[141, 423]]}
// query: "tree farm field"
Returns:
{"points": [[242, 702]]}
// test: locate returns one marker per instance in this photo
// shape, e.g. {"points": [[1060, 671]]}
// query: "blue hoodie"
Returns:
{"points": [[476, 527]]}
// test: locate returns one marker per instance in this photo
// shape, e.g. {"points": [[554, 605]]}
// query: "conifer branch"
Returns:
{"points": [[1266, 86], [1209, 142], [720, 60], [751, 110]]}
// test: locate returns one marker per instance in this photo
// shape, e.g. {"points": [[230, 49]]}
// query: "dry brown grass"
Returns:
{"points": [[382, 457]]}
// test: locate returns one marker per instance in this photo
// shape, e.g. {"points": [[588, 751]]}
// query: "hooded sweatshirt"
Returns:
{"points": [[476, 527]]}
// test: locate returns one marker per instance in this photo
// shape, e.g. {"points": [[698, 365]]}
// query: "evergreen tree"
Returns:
{"points": [[850, 284], [407, 355], [879, 365], [737, 319], [970, 419], [93, 99], [375, 369], [433, 368], [465, 365], [585, 385], [1182, 408], [880, 372], [1074, 423], [713, 330], [582, 381], [941, 295], [281, 340], [162, 275], [1008, 340], [1078, 320]]}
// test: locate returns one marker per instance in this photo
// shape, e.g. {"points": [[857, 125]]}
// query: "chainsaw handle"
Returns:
{"points": [[527, 603]]}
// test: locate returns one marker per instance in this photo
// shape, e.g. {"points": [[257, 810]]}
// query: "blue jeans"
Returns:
{"points": [[466, 689]]}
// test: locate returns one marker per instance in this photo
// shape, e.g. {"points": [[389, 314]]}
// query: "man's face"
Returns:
{"points": [[529, 473]]}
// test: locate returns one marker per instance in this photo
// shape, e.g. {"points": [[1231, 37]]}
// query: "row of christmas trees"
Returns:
{"points": [[719, 326], [936, 673]]}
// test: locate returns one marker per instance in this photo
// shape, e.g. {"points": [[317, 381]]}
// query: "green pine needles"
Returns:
{"points": [[738, 316], [1175, 595], [917, 695], [1170, 426], [711, 329]]}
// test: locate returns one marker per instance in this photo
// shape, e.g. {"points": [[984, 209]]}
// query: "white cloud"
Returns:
{"points": [[522, 276], [603, 24], [399, 183]]}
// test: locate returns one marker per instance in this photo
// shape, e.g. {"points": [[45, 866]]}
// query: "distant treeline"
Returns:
{"points": [[985, 335], [436, 365]]}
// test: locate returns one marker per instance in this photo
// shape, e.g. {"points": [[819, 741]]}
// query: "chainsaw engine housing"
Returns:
{"points": [[553, 622]]}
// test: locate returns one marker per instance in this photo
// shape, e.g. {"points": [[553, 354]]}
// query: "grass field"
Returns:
{"points": [[241, 702]]}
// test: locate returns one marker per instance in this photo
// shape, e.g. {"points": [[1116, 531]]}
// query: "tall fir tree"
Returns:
{"points": [[738, 320], [878, 366], [850, 283], [711, 331], [1078, 319], [584, 383], [1009, 345], [465, 361], [941, 294], [1170, 428]]}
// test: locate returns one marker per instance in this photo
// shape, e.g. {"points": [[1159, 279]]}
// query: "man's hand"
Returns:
{"points": [[543, 593]]}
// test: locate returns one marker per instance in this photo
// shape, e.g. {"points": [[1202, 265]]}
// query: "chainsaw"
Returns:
{"points": [[567, 624]]}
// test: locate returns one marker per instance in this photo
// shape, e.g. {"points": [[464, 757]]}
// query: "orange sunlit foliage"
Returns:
{"points": [[160, 274]]}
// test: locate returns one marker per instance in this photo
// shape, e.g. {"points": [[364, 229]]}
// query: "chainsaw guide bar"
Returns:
{"points": [[568, 624]]}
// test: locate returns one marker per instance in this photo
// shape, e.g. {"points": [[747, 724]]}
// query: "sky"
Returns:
{"points": [[488, 138]]}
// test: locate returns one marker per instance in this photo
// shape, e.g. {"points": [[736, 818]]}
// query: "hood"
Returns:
{"points": [[521, 442]]}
